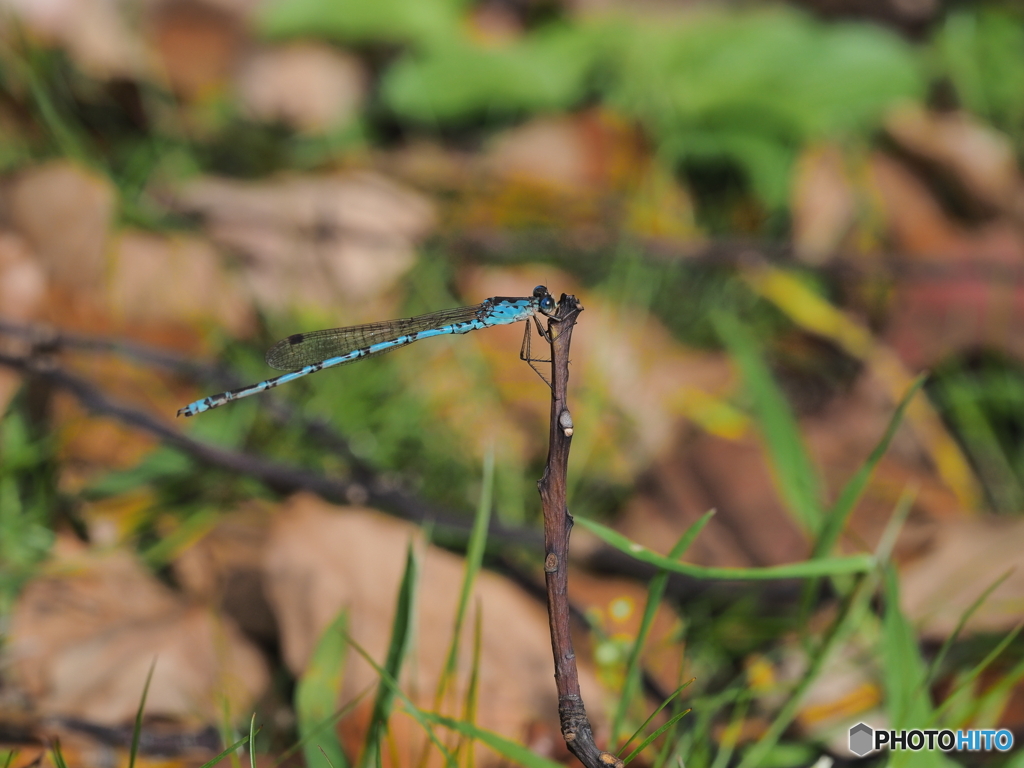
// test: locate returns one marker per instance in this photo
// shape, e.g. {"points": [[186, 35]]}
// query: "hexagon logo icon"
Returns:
{"points": [[861, 739]]}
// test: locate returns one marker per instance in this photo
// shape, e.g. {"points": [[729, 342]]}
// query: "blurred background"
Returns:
{"points": [[776, 216]]}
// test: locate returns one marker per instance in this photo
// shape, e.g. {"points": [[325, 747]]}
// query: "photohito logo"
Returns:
{"points": [[864, 739], [860, 739]]}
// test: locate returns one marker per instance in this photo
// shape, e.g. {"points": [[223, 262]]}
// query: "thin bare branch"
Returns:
{"points": [[572, 713], [280, 477]]}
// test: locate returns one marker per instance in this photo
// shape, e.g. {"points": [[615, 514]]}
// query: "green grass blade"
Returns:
{"points": [[316, 696], [510, 750], [252, 741], [227, 731], [908, 704], [934, 667], [474, 559], [417, 714], [655, 713], [655, 593], [852, 615], [795, 474], [11, 754], [473, 688], [324, 753], [731, 735], [978, 668], [979, 438], [672, 721], [854, 488], [65, 136], [327, 722], [833, 566], [227, 751], [137, 729], [851, 612], [398, 649], [58, 756], [840, 513], [1001, 689]]}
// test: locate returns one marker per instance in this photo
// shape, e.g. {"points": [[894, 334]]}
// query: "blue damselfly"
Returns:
{"points": [[304, 353]]}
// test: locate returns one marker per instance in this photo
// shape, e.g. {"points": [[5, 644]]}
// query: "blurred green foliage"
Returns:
{"points": [[982, 400], [750, 88], [545, 71], [421, 23], [317, 693], [27, 498], [981, 51], [745, 88], [753, 88]]}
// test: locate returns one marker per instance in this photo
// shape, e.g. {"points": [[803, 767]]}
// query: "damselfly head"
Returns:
{"points": [[546, 304]]}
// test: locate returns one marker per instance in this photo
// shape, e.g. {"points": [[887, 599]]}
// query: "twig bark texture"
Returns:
{"points": [[576, 730]]}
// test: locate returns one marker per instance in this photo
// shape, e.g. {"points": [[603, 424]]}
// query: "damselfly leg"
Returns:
{"points": [[526, 353]]}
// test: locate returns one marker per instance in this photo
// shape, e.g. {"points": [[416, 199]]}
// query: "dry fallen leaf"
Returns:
{"points": [[314, 241], [95, 33], [951, 295], [22, 279], [841, 436], [22, 292], [824, 204], [553, 172], [965, 558], [224, 569], [546, 149], [939, 315], [751, 527], [428, 164], [73, 252], [83, 637], [923, 232], [309, 86], [493, 25], [197, 44], [917, 225], [321, 559], [977, 158], [168, 279]]}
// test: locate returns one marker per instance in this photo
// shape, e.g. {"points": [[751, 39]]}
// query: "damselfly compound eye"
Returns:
{"points": [[547, 304]]}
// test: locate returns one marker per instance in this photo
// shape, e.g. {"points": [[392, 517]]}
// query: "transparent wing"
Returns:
{"points": [[302, 349]]}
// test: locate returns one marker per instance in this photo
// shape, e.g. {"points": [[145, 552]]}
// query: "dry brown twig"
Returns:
{"points": [[575, 725]]}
